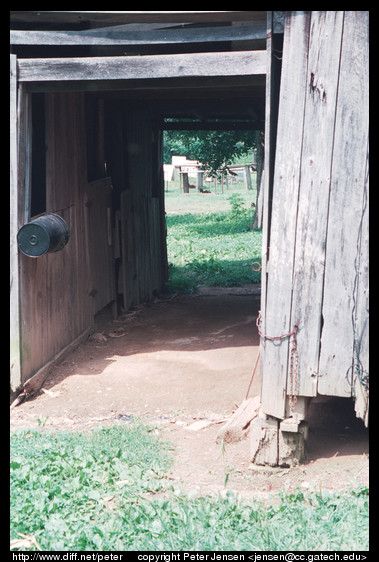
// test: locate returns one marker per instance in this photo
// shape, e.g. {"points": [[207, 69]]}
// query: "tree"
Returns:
{"points": [[216, 150]]}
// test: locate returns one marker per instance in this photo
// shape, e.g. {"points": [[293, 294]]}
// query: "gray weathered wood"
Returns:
{"points": [[312, 210], [266, 178], [236, 427], [281, 242], [361, 390], [159, 37], [136, 16], [343, 264], [239, 63]]}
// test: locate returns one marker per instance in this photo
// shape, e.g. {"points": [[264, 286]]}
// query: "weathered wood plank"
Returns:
{"points": [[211, 126], [345, 235], [281, 241], [136, 16], [312, 212], [15, 358], [239, 63], [128, 261], [159, 37], [237, 426], [267, 181], [99, 204], [361, 355]]}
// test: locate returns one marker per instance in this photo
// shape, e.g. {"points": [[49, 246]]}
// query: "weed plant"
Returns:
{"points": [[213, 248], [109, 490]]}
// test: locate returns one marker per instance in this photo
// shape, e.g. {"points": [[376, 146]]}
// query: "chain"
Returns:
{"points": [[294, 358], [294, 361]]}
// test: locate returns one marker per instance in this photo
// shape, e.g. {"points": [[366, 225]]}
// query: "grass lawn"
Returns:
{"points": [[109, 490], [209, 239]]}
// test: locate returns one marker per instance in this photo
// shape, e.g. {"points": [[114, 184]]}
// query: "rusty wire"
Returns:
{"points": [[294, 357]]}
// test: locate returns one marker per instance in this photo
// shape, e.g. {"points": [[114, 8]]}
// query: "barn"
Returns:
{"points": [[90, 96]]}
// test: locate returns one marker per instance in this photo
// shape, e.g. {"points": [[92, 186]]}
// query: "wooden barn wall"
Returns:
{"points": [[61, 292], [135, 160], [56, 305], [318, 241]]}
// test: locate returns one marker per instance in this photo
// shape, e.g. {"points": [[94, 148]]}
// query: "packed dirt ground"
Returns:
{"points": [[184, 365]]}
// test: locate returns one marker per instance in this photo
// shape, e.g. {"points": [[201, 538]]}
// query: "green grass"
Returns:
{"points": [[109, 490], [212, 248]]}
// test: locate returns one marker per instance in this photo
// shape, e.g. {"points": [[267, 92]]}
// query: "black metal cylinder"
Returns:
{"points": [[46, 234]]}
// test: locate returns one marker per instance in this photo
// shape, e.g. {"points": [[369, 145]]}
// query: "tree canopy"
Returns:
{"points": [[214, 149]]}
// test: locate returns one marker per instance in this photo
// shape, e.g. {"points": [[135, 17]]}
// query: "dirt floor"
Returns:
{"points": [[184, 365]]}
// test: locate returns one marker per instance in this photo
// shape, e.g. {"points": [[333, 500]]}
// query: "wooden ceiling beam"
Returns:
{"points": [[155, 37], [196, 65], [212, 125], [60, 17]]}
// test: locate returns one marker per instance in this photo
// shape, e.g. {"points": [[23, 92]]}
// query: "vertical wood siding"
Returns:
{"points": [[317, 272], [56, 306], [346, 266], [142, 213]]}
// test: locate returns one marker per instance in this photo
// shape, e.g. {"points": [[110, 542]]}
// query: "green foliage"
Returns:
{"points": [[237, 203], [214, 149], [62, 485], [108, 491], [213, 249]]}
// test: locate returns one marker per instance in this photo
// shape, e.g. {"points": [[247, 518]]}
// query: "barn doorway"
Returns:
{"points": [[135, 158], [181, 356]]}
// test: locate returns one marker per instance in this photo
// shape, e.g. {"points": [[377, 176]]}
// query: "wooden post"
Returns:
{"points": [[277, 442], [247, 177], [185, 182], [199, 180], [260, 180], [15, 341]]}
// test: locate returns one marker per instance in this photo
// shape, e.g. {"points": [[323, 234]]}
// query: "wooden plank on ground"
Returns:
{"points": [[344, 266], [235, 428], [312, 212], [281, 241], [238, 63]]}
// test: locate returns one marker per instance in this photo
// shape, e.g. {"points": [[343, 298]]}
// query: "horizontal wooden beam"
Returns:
{"points": [[135, 17], [117, 37], [212, 125], [222, 64]]}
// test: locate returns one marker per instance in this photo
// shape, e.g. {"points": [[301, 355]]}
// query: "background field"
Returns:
{"points": [[210, 241]]}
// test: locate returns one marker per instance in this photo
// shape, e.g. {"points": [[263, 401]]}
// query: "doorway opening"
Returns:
{"points": [[211, 188]]}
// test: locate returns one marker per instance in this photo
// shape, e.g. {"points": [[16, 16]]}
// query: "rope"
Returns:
{"points": [[252, 377]]}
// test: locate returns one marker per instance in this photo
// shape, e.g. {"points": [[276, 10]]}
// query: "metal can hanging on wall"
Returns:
{"points": [[45, 234]]}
